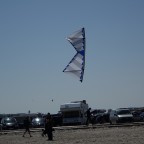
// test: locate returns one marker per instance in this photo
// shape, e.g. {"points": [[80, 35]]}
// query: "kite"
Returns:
{"points": [[77, 65]]}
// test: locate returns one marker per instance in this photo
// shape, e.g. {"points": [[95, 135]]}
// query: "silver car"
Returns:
{"points": [[38, 122], [120, 116], [9, 123]]}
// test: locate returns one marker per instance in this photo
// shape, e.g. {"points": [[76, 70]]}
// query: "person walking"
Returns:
{"points": [[27, 126]]}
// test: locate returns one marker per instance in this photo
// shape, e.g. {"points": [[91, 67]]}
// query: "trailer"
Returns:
{"points": [[74, 113]]}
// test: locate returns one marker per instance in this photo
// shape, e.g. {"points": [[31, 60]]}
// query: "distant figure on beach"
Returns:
{"points": [[88, 116], [49, 126], [27, 126]]}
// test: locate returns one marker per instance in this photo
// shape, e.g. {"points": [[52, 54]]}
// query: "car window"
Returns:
{"points": [[123, 112]]}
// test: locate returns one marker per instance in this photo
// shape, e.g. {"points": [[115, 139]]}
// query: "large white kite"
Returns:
{"points": [[77, 65]]}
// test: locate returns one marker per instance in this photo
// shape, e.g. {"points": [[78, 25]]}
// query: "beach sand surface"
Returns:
{"points": [[113, 135]]}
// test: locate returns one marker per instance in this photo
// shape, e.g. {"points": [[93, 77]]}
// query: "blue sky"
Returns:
{"points": [[34, 52]]}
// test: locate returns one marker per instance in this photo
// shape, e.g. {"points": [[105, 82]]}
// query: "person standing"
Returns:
{"points": [[49, 126], [88, 116], [27, 126]]}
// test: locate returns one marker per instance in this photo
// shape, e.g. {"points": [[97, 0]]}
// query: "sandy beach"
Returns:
{"points": [[105, 135]]}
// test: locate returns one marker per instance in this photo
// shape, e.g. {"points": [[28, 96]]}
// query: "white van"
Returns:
{"points": [[74, 113], [120, 116]]}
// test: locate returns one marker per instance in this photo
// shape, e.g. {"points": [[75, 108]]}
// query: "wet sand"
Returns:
{"points": [[113, 135]]}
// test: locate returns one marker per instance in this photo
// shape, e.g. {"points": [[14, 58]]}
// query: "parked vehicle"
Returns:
{"points": [[9, 123], [142, 116], [100, 118], [38, 122], [0, 127], [57, 119], [97, 118], [136, 116], [120, 115], [74, 113]]}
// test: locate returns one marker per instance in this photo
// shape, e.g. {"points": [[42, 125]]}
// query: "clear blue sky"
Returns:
{"points": [[34, 52]]}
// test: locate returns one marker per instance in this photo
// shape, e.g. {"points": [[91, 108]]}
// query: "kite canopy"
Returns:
{"points": [[77, 65]]}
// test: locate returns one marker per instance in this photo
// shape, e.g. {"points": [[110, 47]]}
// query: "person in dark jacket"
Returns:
{"points": [[49, 126], [27, 126], [88, 116]]}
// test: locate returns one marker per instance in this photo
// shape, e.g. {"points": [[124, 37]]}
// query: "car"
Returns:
{"points": [[136, 116], [120, 116], [57, 119], [0, 127], [38, 122], [97, 118], [9, 123], [142, 116]]}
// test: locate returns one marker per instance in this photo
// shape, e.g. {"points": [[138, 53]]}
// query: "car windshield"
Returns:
{"points": [[9, 120], [123, 112]]}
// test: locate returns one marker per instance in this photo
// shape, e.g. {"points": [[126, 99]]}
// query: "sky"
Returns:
{"points": [[34, 52]]}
